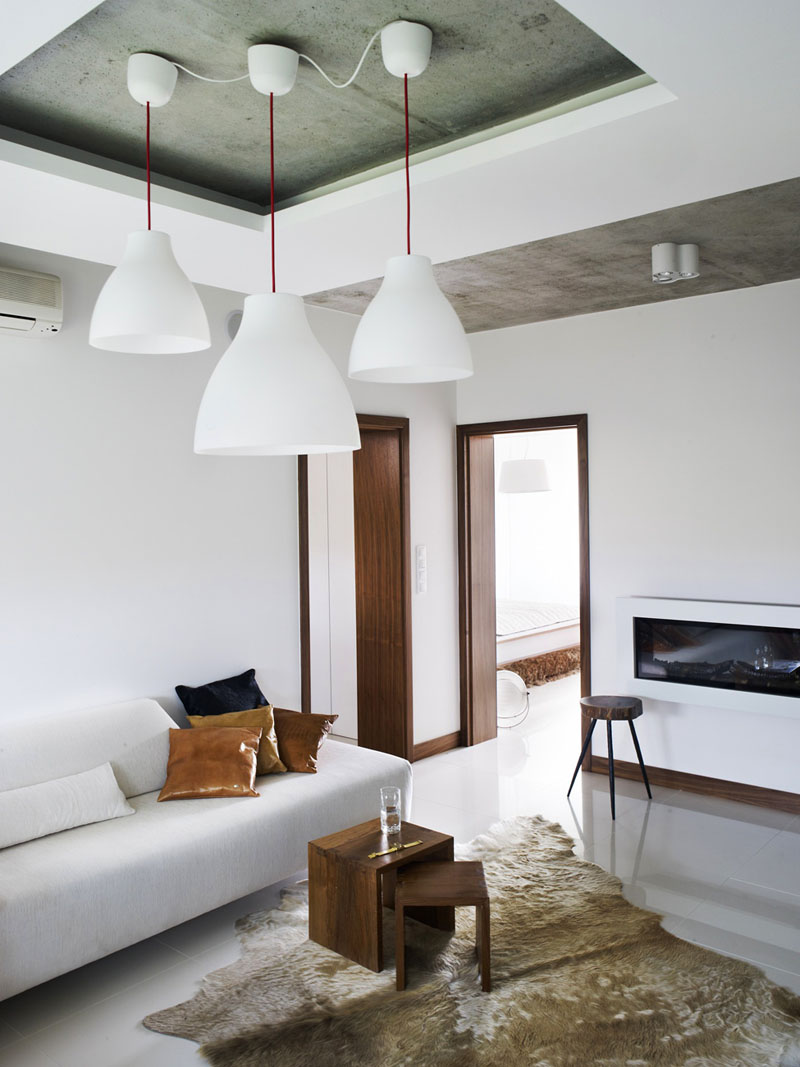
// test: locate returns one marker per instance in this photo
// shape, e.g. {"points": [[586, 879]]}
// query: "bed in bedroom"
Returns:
{"points": [[527, 628]]}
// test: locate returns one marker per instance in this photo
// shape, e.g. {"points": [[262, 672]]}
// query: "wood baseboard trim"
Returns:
{"points": [[436, 745], [698, 783]]}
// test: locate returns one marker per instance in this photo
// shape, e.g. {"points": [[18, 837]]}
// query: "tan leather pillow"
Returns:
{"points": [[211, 763], [269, 762], [300, 738]]}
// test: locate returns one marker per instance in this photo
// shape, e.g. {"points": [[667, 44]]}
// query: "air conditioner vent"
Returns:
{"points": [[30, 302], [43, 289]]}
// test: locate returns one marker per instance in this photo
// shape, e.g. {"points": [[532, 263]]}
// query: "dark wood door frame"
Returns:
{"points": [[467, 511], [391, 424]]}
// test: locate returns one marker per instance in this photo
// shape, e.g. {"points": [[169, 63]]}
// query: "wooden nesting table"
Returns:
{"points": [[347, 891]]}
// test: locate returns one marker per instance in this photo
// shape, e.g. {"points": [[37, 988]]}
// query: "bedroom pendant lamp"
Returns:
{"points": [[410, 332], [148, 304], [275, 392], [523, 476]]}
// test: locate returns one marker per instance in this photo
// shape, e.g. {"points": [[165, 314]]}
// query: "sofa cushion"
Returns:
{"points": [[300, 737], [239, 693], [217, 762], [269, 762], [133, 737], [46, 808]]}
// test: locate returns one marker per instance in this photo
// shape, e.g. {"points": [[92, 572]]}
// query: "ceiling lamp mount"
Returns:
{"points": [[151, 79], [406, 48], [674, 263]]}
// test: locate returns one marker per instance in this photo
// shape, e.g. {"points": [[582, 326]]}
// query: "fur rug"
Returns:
{"points": [[579, 977], [538, 670]]}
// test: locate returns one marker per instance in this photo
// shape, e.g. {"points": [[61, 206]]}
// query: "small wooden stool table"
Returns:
{"points": [[611, 709], [444, 885], [351, 877]]}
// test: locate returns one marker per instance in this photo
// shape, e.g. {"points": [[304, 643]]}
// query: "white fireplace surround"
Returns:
{"points": [[629, 608]]}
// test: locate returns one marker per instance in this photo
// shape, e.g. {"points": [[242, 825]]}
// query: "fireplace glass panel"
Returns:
{"points": [[759, 659]]}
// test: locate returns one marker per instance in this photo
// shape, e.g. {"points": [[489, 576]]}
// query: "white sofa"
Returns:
{"points": [[77, 895]]}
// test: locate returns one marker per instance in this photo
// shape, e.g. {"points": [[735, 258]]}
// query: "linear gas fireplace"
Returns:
{"points": [[744, 656], [761, 659]]}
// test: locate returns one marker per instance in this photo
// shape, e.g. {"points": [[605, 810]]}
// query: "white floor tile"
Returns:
{"points": [[45, 1004], [734, 943], [8, 1034], [110, 1033], [26, 1053], [776, 865]]}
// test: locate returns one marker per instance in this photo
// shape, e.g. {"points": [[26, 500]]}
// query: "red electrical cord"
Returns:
{"points": [[408, 175], [272, 188], [148, 166]]}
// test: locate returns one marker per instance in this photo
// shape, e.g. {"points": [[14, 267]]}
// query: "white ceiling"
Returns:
{"points": [[720, 119]]}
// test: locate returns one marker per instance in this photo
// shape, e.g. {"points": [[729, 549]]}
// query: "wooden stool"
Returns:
{"points": [[440, 885], [611, 708]]}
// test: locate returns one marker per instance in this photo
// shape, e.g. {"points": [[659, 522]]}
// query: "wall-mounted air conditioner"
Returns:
{"points": [[30, 303]]}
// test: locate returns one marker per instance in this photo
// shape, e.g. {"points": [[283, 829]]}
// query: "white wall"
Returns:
{"points": [[128, 564], [693, 445], [536, 534]]}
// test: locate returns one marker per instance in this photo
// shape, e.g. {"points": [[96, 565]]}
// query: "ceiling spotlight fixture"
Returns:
{"points": [[410, 332], [523, 476], [674, 263], [148, 304], [275, 392]]}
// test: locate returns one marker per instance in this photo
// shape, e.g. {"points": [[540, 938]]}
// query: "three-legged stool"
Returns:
{"points": [[439, 885], [610, 709]]}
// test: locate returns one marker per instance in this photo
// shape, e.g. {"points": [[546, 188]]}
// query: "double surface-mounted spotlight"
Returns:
{"points": [[674, 263], [148, 304]]}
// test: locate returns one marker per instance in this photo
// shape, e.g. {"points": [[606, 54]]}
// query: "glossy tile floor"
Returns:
{"points": [[724, 875]]}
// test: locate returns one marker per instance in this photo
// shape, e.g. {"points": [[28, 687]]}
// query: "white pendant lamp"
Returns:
{"points": [[523, 476], [148, 305], [410, 332], [275, 392]]}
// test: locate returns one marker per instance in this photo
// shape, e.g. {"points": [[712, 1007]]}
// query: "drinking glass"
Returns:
{"points": [[390, 809]]}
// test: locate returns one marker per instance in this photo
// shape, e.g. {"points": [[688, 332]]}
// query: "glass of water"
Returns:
{"points": [[390, 809]]}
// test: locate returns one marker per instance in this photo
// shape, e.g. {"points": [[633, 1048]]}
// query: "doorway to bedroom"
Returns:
{"points": [[523, 572]]}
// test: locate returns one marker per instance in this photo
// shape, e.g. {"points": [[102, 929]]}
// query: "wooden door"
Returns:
{"points": [[383, 589], [477, 602], [476, 568]]}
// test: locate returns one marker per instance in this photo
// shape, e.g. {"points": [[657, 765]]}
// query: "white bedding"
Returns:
{"points": [[525, 616]]}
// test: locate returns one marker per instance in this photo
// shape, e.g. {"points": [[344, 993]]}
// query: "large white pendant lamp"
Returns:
{"points": [[148, 304], [275, 392], [410, 332]]}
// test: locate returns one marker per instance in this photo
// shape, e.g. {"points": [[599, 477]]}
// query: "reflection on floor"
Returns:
{"points": [[722, 874]]}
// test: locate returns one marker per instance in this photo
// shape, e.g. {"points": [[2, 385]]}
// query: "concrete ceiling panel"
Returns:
{"points": [[746, 239], [490, 64]]}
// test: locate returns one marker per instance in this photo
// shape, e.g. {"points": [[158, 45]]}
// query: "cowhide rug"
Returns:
{"points": [[579, 977]]}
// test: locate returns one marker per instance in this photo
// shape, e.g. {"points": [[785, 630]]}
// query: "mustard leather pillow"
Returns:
{"points": [[300, 738], [269, 762], [211, 763]]}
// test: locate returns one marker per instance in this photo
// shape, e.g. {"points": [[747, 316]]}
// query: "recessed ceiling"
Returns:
{"points": [[490, 64], [747, 238]]}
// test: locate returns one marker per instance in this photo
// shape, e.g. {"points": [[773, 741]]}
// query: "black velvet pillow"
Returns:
{"points": [[228, 694]]}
